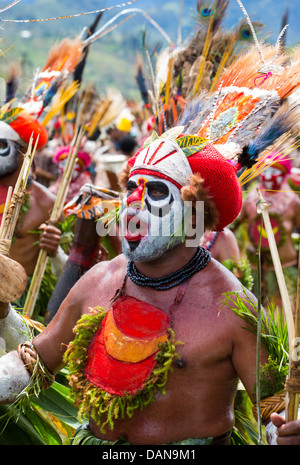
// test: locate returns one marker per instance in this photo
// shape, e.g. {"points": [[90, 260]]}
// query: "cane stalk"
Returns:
{"points": [[13, 275], [258, 342], [14, 201], [293, 380], [54, 218], [291, 403]]}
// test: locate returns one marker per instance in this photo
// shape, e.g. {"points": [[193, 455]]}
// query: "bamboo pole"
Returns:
{"points": [[258, 341], [12, 274], [10, 218], [5, 211], [292, 399], [54, 218]]}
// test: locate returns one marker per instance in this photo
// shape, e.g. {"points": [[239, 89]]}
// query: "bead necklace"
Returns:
{"points": [[197, 263], [208, 239]]}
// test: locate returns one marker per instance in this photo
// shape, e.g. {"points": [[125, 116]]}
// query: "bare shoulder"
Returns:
{"points": [[226, 234], [41, 193], [106, 270], [99, 284], [218, 277], [214, 284]]}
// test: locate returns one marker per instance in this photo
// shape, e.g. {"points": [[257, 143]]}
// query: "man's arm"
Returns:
{"points": [[14, 375], [244, 361]]}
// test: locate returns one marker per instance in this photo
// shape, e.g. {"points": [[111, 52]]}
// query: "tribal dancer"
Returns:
{"points": [[80, 174], [154, 357], [18, 121], [38, 201], [284, 214]]}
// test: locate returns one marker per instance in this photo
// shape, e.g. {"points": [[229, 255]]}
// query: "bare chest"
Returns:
{"points": [[201, 329]]}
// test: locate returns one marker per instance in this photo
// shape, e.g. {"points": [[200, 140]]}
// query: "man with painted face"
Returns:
{"points": [[80, 175], [35, 212], [284, 214], [153, 357]]}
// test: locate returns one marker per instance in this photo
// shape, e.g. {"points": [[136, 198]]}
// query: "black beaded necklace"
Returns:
{"points": [[197, 263]]}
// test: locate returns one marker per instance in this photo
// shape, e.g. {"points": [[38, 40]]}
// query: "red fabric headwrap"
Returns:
{"points": [[219, 178], [221, 181], [25, 124]]}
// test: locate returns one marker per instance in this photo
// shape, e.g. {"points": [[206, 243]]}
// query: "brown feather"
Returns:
{"points": [[64, 55]]}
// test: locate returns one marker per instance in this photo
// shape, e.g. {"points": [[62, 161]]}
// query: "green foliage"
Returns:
{"points": [[274, 338], [67, 228], [98, 404], [242, 270], [47, 419]]}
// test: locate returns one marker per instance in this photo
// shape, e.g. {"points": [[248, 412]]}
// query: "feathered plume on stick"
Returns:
{"points": [[64, 94], [78, 70], [9, 5], [12, 81], [283, 25], [62, 59], [141, 81]]}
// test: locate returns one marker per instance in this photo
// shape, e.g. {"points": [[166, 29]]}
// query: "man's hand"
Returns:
{"points": [[50, 238], [288, 434]]}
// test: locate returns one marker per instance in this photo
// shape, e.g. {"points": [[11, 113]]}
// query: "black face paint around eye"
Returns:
{"points": [[9, 157], [157, 190], [131, 186], [162, 210]]}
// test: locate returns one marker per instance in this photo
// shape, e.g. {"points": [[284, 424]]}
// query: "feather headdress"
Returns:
{"points": [[23, 116], [62, 60], [223, 131], [247, 110], [183, 71]]}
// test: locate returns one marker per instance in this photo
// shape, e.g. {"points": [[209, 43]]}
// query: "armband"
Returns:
{"points": [[34, 365]]}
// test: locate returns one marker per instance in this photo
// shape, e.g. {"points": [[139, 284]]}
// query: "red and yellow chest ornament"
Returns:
{"points": [[119, 359]]}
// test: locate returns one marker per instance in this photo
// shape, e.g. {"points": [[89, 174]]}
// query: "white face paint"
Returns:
{"points": [[152, 212], [9, 157], [271, 178]]}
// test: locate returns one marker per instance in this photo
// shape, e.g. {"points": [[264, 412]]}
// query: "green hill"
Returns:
{"points": [[112, 58]]}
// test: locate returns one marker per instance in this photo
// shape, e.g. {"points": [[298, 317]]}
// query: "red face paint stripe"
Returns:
{"points": [[137, 197], [144, 161], [166, 156], [153, 172], [158, 148]]}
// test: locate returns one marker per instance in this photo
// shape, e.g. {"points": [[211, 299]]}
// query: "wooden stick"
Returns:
{"points": [[6, 207], [54, 218], [291, 402], [278, 271], [292, 398], [13, 277], [12, 209]]}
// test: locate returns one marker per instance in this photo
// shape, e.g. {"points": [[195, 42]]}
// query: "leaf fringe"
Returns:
{"points": [[104, 408]]}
